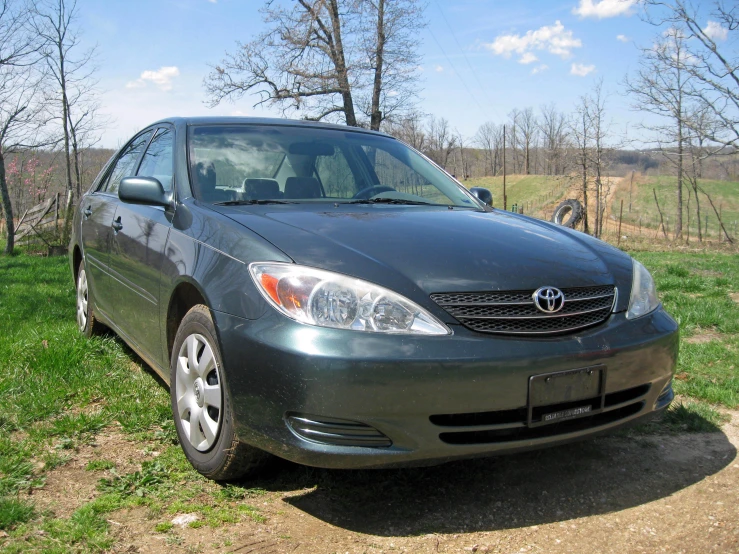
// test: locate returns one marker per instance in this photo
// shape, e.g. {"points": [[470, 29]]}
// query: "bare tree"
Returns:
{"points": [[581, 132], [20, 108], [389, 42], [529, 129], [590, 131], [514, 139], [713, 64], [659, 87], [73, 92], [489, 137], [553, 127], [600, 128], [328, 58], [441, 141], [410, 129]]}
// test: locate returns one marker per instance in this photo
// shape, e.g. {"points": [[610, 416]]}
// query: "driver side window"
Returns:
{"points": [[126, 164], [336, 175]]}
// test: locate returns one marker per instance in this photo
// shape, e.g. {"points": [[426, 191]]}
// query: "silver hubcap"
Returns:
{"points": [[82, 300], [198, 392]]}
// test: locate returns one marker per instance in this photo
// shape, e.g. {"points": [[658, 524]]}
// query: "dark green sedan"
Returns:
{"points": [[329, 295]]}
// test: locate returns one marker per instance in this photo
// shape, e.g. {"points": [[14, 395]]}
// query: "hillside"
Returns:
{"points": [[540, 194]]}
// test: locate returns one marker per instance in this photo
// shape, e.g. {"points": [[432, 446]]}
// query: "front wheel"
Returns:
{"points": [[87, 323], [201, 404]]}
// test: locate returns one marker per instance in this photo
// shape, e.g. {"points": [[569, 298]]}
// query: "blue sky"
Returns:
{"points": [[481, 58]]}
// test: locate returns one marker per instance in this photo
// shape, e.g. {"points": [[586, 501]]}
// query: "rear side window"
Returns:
{"points": [[158, 159], [126, 164]]}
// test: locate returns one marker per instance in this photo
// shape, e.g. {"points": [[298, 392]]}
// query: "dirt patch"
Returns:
{"points": [[612, 494], [70, 486], [703, 337], [734, 296]]}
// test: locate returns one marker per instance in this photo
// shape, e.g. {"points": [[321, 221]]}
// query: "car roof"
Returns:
{"points": [[225, 120]]}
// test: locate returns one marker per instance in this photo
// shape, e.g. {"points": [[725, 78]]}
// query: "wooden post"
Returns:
{"points": [[620, 218]]}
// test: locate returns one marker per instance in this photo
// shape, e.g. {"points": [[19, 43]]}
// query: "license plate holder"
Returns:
{"points": [[571, 394]]}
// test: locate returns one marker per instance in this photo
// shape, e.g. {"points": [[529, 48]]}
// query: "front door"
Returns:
{"points": [[139, 238]]}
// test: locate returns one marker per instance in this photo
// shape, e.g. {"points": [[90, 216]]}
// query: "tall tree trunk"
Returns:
{"points": [[67, 159], [376, 115], [679, 221], [76, 159], [585, 194], [342, 72], [7, 208]]}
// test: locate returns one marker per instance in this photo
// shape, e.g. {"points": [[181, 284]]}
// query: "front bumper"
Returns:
{"points": [[276, 367]]}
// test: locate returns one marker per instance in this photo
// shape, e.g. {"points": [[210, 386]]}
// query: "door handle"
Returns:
{"points": [[117, 225], [87, 212]]}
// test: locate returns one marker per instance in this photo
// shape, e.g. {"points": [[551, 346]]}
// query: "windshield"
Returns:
{"points": [[236, 164]]}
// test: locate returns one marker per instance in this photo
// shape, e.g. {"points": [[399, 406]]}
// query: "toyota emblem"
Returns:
{"points": [[549, 299]]}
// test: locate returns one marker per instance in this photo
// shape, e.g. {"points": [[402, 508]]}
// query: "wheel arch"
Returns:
{"points": [[76, 261], [185, 295]]}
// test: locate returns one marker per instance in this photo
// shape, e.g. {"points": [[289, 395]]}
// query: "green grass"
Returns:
{"points": [[523, 189], [723, 193], [695, 289], [60, 390]]}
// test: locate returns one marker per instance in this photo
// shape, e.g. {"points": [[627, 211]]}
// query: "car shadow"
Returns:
{"points": [[598, 476]]}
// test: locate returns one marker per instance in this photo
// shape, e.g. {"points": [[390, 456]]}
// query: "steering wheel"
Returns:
{"points": [[364, 194]]}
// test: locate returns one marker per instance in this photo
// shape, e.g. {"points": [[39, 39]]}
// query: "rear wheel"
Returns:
{"points": [[86, 320], [201, 404]]}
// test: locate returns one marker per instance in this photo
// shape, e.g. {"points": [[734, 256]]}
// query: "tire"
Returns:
{"points": [[87, 323], [568, 213], [198, 390]]}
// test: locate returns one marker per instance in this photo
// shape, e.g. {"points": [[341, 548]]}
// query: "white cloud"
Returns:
{"points": [[715, 31], [555, 39], [528, 57], [604, 8], [622, 38], [162, 78], [439, 68], [539, 69], [581, 69]]}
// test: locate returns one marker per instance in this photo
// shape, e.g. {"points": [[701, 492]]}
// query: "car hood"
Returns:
{"points": [[418, 251]]}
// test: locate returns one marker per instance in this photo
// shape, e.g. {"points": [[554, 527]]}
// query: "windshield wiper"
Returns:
{"points": [[392, 201], [250, 202]]}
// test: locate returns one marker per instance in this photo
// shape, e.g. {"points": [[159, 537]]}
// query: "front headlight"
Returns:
{"points": [[643, 293], [328, 299]]}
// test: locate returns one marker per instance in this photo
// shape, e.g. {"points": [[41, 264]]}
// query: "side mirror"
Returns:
{"points": [[143, 190], [484, 195]]}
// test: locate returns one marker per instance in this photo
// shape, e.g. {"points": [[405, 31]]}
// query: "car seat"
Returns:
{"points": [[302, 187]]}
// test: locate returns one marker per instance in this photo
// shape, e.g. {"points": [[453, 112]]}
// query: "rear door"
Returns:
{"points": [[139, 238], [98, 211]]}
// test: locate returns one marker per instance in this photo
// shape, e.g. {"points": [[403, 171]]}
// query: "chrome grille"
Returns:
{"points": [[514, 312]]}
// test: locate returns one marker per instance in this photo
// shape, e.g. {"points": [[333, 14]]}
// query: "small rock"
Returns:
{"points": [[184, 519], [3, 534]]}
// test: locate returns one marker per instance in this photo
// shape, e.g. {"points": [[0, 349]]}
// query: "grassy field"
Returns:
{"points": [[724, 194], [62, 393], [530, 191]]}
